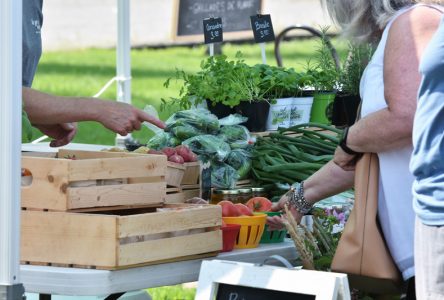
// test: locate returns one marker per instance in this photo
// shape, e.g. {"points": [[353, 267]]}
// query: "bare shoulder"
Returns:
{"points": [[419, 20]]}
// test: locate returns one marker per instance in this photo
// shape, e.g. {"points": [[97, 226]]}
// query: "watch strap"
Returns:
{"points": [[343, 143]]}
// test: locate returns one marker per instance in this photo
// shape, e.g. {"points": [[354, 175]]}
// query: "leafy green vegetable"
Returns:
{"points": [[26, 128], [208, 145]]}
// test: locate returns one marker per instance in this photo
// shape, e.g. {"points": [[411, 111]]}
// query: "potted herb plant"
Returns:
{"points": [[284, 88], [326, 76], [227, 87], [347, 100]]}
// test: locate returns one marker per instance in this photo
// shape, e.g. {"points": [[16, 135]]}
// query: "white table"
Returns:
{"points": [[86, 282]]}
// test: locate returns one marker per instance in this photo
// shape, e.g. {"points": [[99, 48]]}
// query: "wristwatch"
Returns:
{"points": [[343, 143]]}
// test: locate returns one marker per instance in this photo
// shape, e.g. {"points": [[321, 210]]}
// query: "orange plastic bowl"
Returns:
{"points": [[251, 229]]}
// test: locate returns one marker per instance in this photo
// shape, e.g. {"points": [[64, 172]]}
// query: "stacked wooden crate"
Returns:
{"points": [[107, 211], [183, 182]]}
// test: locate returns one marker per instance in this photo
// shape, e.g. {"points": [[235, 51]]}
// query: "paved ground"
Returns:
{"points": [[92, 23]]}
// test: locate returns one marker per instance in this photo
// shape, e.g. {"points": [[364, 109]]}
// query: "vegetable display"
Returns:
{"points": [[199, 132], [293, 154]]}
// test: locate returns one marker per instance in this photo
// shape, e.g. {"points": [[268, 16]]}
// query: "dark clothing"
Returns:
{"points": [[31, 40]]}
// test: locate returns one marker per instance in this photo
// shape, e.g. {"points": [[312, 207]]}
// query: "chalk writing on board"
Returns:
{"points": [[213, 30], [234, 13], [262, 28]]}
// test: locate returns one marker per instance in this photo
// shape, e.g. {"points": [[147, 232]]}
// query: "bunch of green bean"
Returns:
{"points": [[283, 157]]}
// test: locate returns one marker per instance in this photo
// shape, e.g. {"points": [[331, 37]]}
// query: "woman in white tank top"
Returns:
{"points": [[401, 29]]}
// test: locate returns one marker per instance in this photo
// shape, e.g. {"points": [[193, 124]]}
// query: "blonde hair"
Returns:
{"points": [[364, 20]]}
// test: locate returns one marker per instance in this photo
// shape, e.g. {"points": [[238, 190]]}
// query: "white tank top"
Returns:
{"points": [[395, 209]]}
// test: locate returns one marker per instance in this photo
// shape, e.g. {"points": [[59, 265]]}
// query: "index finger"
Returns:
{"points": [[143, 116]]}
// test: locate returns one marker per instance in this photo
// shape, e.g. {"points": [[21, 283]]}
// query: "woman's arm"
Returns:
{"points": [[391, 127], [328, 181]]}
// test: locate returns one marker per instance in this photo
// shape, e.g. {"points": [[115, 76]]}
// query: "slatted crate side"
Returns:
{"points": [[178, 231], [49, 183], [69, 238], [175, 248], [59, 184], [115, 241], [116, 195], [183, 174], [179, 218], [192, 173], [180, 196], [117, 167]]}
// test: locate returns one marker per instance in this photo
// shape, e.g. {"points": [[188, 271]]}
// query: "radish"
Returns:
{"points": [[186, 153], [169, 151], [176, 159]]}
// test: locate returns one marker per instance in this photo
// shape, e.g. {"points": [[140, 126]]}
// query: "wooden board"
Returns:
{"points": [[111, 241], [182, 174], [93, 179], [180, 196]]}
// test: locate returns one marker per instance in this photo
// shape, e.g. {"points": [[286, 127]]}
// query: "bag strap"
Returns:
{"points": [[358, 112]]}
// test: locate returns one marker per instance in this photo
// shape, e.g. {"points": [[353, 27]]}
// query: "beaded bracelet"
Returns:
{"points": [[297, 199]]}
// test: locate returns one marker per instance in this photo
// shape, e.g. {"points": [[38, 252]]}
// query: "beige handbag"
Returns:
{"points": [[362, 252]]}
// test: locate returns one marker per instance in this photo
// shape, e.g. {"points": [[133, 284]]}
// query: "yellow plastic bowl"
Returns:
{"points": [[252, 228]]}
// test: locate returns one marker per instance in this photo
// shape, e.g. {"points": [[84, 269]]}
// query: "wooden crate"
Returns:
{"points": [[182, 174], [181, 194], [122, 240], [93, 180]]}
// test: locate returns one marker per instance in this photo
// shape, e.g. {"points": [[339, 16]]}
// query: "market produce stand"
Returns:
{"points": [[47, 280]]}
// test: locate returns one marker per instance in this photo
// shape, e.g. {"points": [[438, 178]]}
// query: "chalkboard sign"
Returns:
{"points": [[231, 280], [212, 29], [234, 13], [262, 28], [238, 292]]}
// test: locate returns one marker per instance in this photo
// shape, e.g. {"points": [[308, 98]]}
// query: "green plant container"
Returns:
{"points": [[322, 109], [274, 236]]}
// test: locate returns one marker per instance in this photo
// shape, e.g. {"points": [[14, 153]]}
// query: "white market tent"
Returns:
{"points": [[10, 128]]}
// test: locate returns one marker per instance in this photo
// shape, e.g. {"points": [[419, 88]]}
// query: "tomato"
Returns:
{"points": [[243, 209], [259, 204], [229, 209]]}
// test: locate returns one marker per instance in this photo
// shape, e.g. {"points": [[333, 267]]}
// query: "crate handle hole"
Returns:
{"points": [[26, 177]]}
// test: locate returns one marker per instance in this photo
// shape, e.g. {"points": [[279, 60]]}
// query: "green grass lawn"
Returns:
{"points": [[175, 292], [85, 72]]}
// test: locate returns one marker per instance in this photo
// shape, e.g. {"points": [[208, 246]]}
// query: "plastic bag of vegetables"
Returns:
{"points": [[237, 136], [201, 119], [233, 119], [185, 131], [162, 140], [240, 160], [223, 176], [208, 145]]}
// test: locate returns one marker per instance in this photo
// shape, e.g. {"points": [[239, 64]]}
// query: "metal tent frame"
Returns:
{"points": [[10, 125]]}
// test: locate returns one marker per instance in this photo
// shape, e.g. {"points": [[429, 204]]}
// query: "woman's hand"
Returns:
{"points": [[277, 222]]}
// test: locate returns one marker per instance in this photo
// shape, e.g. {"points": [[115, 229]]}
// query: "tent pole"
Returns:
{"points": [[123, 57], [10, 144]]}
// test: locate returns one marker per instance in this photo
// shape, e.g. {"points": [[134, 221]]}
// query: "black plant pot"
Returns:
{"points": [[220, 110], [257, 114], [345, 108]]}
